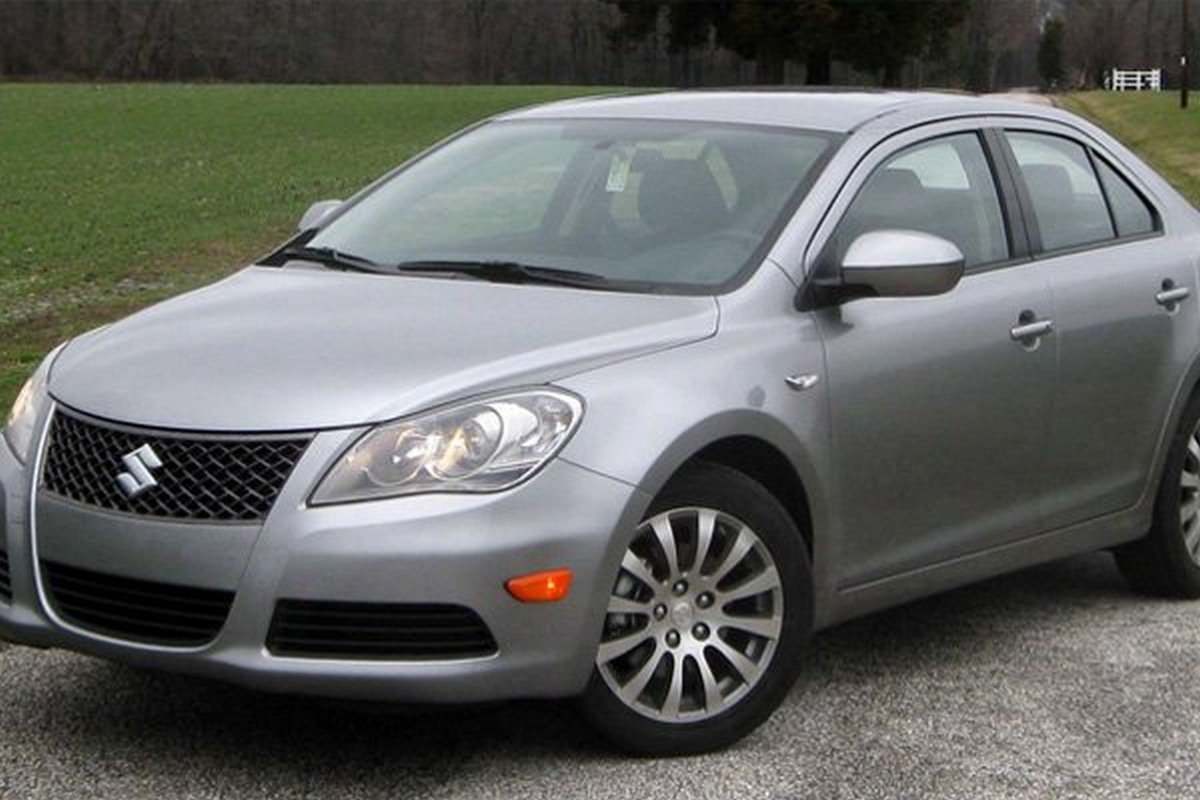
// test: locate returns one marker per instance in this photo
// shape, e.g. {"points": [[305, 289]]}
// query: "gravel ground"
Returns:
{"points": [[1055, 682]]}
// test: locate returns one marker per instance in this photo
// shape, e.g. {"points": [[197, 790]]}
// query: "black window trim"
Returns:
{"points": [[1021, 238], [1108, 206], [1038, 251]]}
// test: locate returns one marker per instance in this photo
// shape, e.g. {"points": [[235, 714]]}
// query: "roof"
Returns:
{"points": [[827, 110]]}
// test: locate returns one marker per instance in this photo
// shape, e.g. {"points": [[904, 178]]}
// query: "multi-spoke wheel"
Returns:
{"points": [[694, 615], [707, 611], [1167, 560]]}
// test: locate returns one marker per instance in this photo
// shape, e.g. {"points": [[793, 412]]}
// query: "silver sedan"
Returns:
{"points": [[622, 399]]}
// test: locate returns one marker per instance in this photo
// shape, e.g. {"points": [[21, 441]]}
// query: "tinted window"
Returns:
{"points": [[944, 187], [1131, 213], [1067, 201]]}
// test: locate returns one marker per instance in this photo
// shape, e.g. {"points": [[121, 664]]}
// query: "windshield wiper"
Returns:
{"points": [[508, 272], [331, 257]]}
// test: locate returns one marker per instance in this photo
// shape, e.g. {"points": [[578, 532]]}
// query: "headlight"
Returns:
{"points": [[18, 430], [483, 445]]}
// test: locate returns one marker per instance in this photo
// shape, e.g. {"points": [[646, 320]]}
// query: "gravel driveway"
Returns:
{"points": [[1055, 682]]}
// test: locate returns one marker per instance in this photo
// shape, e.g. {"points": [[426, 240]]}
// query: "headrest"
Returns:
{"points": [[680, 197], [895, 183], [1049, 184]]}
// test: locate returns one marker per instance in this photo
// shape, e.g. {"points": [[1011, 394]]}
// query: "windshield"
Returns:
{"points": [[649, 203]]}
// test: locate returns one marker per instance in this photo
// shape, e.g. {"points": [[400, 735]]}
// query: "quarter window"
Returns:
{"points": [[1067, 201], [1131, 213], [943, 187]]}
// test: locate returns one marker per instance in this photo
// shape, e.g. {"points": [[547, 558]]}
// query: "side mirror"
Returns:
{"points": [[896, 263], [316, 213]]}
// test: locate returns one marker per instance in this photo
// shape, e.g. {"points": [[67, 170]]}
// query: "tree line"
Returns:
{"points": [[976, 44]]}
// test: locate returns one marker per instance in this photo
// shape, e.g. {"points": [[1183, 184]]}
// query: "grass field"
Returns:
{"points": [[1153, 124], [114, 196]]}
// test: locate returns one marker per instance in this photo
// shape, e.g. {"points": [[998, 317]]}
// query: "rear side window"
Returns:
{"points": [[1131, 213], [944, 187], [1067, 200]]}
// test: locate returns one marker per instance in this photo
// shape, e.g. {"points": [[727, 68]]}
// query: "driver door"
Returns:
{"points": [[940, 417]]}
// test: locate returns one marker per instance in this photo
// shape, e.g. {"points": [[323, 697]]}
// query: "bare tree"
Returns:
{"points": [[529, 41]]}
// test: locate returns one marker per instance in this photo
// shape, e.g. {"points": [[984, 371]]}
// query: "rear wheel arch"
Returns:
{"points": [[1188, 388], [1165, 562]]}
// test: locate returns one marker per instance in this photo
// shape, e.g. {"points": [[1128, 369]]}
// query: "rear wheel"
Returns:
{"points": [[706, 620], [1167, 561]]}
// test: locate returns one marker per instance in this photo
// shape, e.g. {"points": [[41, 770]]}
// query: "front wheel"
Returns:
{"points": [[707, 619]]}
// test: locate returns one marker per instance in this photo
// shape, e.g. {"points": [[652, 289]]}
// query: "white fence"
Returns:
{"points": [[1134, 80]]}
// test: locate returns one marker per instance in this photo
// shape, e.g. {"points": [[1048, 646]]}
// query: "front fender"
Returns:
{"points": [[650, 472], [648, 416]]}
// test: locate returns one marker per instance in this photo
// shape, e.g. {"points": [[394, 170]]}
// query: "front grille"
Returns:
{"points": [[5, 580], [144, 611], [201, 477], [317, 629]]}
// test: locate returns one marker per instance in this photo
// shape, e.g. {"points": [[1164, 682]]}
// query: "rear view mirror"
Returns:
{"points": [[899, 263], [316, 213]]}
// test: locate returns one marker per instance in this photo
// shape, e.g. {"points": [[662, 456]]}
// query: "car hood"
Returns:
{"points": [[291, 349]]}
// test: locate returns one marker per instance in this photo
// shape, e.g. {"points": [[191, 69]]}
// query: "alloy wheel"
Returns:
{"points": [[694, 617], [1189, 497]]}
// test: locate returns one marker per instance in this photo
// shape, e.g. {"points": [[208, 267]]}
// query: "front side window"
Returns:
{"points": [[943, 187], [1068, 203], [642, 202]]}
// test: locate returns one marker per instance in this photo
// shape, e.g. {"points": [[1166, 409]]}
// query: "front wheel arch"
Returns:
{"points": [[763, 449], [765, 464]]}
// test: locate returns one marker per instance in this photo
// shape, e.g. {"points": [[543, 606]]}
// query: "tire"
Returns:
{"points": [[756, 576], [1166, 563]]}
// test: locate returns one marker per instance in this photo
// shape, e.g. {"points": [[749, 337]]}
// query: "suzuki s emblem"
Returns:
{"points": [[140, 464]]}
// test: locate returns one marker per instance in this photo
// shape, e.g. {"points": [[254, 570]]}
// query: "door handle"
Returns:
{"points": [[1031, 331], [1169, 297], [801, 383]]}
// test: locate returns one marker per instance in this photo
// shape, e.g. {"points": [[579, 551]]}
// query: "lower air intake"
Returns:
{"points": [[384, 631], [137, 610]]}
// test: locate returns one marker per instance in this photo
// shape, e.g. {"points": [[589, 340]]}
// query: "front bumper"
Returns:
{"points": [[452, 549]]}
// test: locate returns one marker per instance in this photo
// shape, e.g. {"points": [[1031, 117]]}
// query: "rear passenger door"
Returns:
{"points": [[1120, 318], [939, 416]]}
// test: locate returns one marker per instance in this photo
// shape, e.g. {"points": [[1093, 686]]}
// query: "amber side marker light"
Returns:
{"points": [[541, 587]]}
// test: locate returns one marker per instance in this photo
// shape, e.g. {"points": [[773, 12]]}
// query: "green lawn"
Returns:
{"points": [[1154, 125], [114, 196]]}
